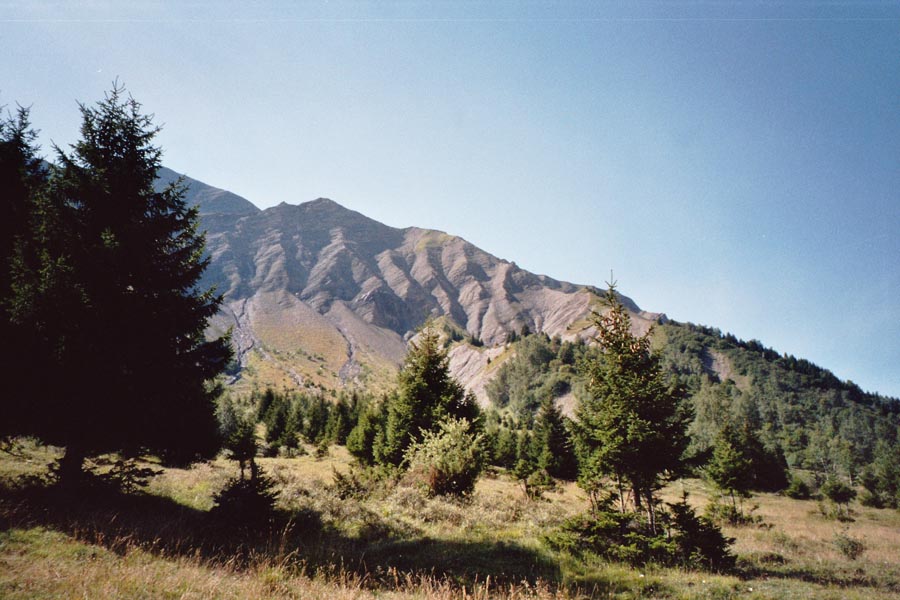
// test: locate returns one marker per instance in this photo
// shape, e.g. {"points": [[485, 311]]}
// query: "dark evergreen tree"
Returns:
{"points": [[115, 302], [339, 422], [881, 479], [315, 421], [840, 493], [361, 441], [241, 445], [731, 467], [228, 417], [427, 394], [22, 186], [632, 424], [265, 402], [526, 462], [555, 454], [505, 448], [280, 429]]}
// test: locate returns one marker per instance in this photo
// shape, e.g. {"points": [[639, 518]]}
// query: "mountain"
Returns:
{"points": [[210, 200], [319, 295]]}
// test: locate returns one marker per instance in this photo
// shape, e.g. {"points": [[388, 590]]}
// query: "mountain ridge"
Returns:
{"points": [[319, 294]]}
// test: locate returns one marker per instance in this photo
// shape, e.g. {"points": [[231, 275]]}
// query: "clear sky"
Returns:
{"points": [[737, 164]]}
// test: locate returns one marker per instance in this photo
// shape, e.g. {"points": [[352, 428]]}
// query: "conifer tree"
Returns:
{"points": [[427, 394], [315, 422], [555, 454], [526, 462], [730, 467], [632, 424], [280, 428], [339, 422], [505, 448], [361, 440], [115, 301], [22, 182], [265, 402]]}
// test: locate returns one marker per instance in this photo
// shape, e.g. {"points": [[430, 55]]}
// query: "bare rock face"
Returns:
{"points": [[317, 294]]}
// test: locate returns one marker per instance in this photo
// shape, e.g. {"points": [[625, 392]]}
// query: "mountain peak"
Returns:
{"points": [[323, 202], [210, 200], [323, 206]]}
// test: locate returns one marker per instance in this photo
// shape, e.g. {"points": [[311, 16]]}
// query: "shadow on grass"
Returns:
{"points": [[846, 577], [120, 522]]}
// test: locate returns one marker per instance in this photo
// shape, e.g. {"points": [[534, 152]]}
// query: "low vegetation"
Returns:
{"points": [[383, 539]]}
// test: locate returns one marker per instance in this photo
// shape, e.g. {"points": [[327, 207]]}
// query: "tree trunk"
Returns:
{"points": [[621, 493]]}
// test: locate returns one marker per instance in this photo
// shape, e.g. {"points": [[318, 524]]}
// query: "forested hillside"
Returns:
{"points": [[795, 411], [820, 422]]}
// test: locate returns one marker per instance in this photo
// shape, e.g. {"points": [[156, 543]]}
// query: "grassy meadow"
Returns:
{"points": [[365, 539]]}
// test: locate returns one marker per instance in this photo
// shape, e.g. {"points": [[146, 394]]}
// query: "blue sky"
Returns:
{"points": [[735, 163]]}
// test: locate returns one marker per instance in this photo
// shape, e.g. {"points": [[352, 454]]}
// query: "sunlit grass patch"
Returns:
{"points": [[393, 541]]}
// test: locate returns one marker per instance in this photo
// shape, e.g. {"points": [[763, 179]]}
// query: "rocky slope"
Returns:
{"points": [[317, 294]]}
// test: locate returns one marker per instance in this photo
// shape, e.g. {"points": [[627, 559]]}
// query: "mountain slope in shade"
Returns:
{"points": [[317, 294], [210, 200]]}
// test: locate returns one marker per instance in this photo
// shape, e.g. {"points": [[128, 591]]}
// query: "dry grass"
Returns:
{"points": [[398, 543], [37, 563]]}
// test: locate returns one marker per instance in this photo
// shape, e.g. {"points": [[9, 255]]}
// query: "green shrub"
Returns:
{"points": [[685, 540], [700, 543], [356, 484], [838, 492], [798, 489], [871, 500], [849, 546], [724, 513], [125, 475], [246, 502], [449, 460]]}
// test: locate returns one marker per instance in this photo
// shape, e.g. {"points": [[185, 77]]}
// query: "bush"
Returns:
{"points": [[871, 500], [246, 502], [798, 489], [688, 540], [724, 513], [838, 492], [699, 541], [124, 475], [849, 546], [840, 495], [354, 485], [449, 460]]}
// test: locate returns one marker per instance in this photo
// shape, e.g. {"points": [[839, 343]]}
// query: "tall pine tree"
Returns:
{"points": [[427, 393], [555, 453], [115, 301], [632, 425], [22, 180]]}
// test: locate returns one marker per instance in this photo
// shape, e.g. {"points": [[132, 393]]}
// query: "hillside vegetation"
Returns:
{"points": [[396, 542], [797, 411], [826, 426]]}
